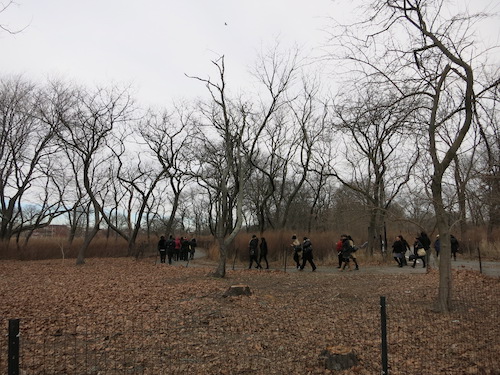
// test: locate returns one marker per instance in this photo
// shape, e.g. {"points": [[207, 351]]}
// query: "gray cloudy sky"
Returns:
{"points": [[151, 44]]}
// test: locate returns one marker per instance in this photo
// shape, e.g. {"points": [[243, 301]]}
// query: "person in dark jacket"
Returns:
{"points": [[253, 252], [192, 248], [263, 252], [424, 240], [348, 250], [406, 246], [170, 248], [162, 248], [437, 245], [307, 254], [398, 250], [185, 244], [418, 252], [426, 243]]}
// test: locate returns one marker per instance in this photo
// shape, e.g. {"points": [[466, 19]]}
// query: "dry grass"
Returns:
{"points": [[278, 242]]}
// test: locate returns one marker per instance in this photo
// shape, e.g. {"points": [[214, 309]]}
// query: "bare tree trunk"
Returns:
{"points": [[445, 279], [220, 271], [80, 259]]}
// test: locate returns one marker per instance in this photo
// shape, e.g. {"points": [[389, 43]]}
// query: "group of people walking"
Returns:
{"points": [[179, 248], [300, 250], [454, 246], [306, 250], [346, 252], [421, 248], [401, 246], [183, 249], [255, 255]]}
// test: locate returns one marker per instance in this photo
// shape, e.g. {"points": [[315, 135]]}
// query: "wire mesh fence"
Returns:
{"points": [[420, 341], [133, 345], [464, 341]]}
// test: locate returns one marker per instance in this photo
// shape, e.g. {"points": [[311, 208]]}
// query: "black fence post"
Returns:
{"points": [[480, 262], [383, 326], [13, 362]]}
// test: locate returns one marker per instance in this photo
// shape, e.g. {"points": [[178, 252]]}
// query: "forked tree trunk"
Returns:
{"points": [[80, 259]]}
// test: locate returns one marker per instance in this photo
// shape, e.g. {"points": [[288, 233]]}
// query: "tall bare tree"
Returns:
{"points": [[223, 167], [434, 57], [168, 138], [27, 149], [87, 130], [284, 152], [231, 143], [380, 155]]}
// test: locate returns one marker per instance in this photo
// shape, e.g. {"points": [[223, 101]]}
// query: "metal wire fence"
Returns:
{"points": [[420, 341]]}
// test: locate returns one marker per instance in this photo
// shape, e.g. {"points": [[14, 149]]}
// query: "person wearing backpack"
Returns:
{"points": [[307, 254]]}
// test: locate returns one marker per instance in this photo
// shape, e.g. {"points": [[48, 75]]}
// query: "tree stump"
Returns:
{"points": [[338, 358], [237, 290]]}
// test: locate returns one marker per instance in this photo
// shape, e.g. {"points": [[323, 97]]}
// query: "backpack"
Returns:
{"points": [[254, 242], [350, 243], [170, 244], [307, 246]]}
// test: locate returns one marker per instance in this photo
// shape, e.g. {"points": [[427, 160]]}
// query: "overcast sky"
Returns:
{"points": [[152, 44]]}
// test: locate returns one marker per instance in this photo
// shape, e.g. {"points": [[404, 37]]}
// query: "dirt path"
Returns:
{"points": [[489, 268]]}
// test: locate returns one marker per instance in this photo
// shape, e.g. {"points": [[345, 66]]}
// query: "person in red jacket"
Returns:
{"points": [[339, 249], [177, 251]]}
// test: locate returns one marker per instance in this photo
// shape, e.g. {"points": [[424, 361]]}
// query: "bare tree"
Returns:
{"points": [[375, 129], [27, 149], [3, 26], [487, 120], [223, 167], [87, 130], [284, 152], [434, 61], [168, 137], [230, 146]]}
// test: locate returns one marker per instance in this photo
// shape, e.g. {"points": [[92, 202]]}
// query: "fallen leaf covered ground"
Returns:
{"points": [[126, 316]]}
